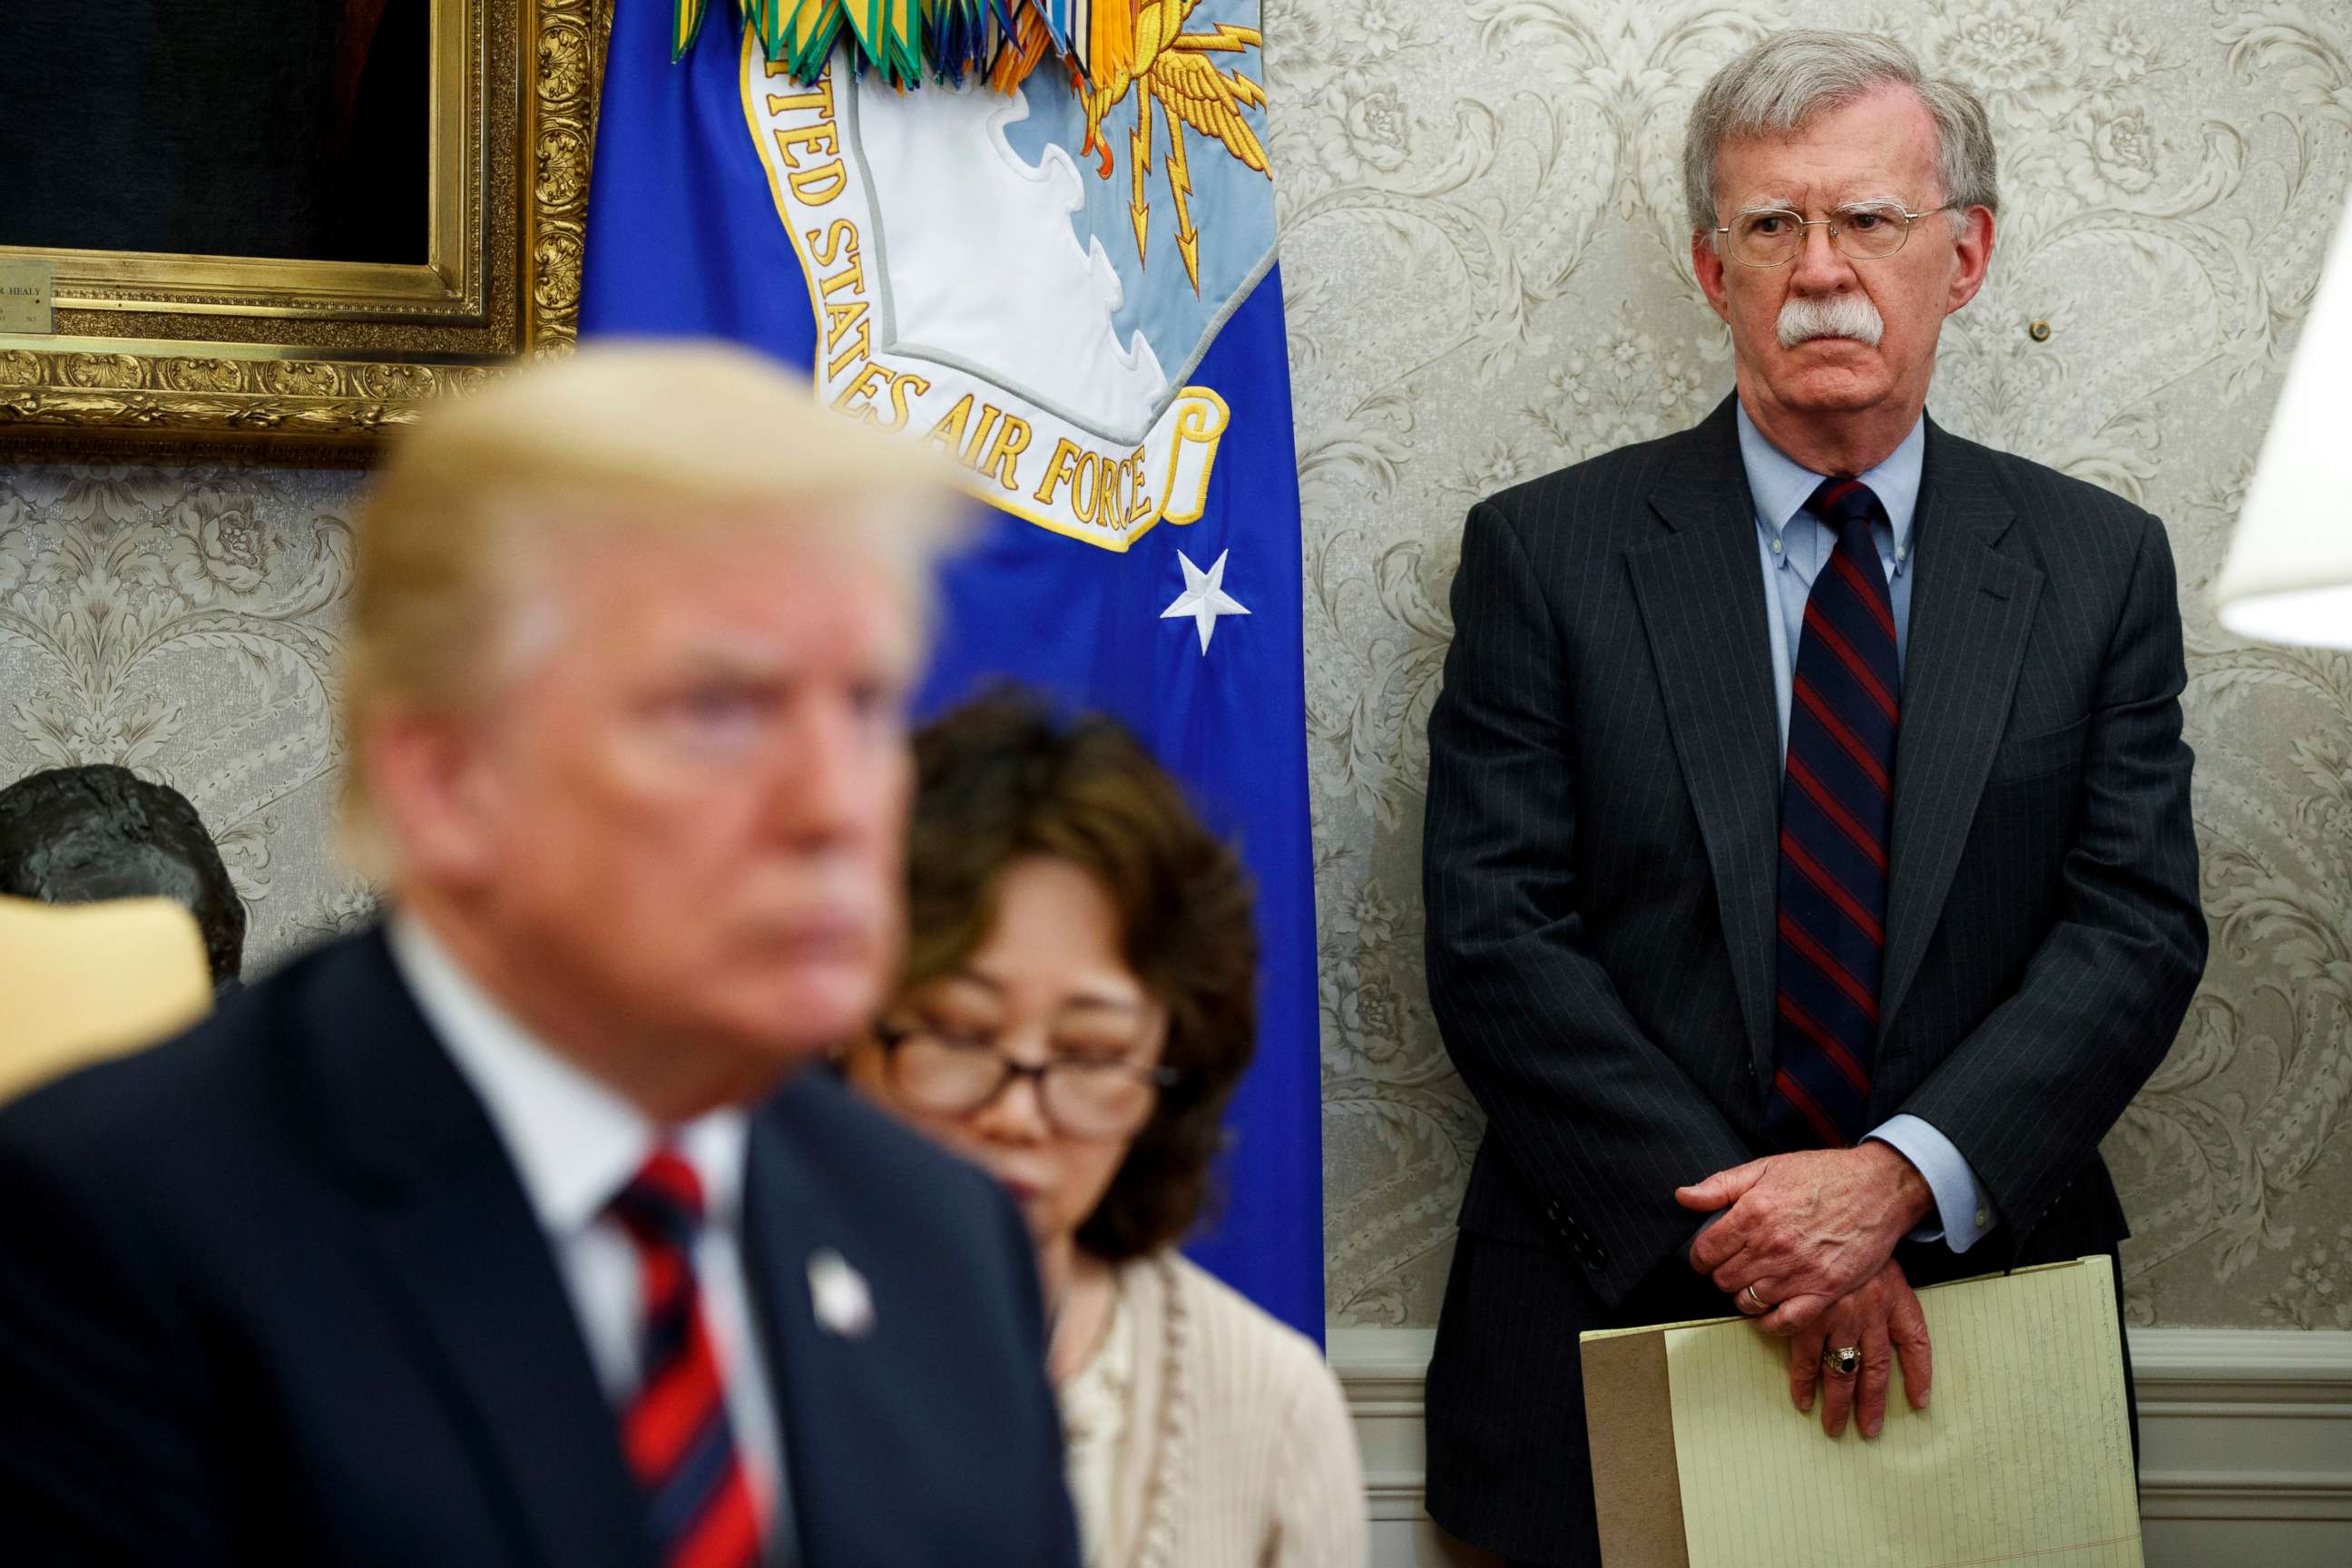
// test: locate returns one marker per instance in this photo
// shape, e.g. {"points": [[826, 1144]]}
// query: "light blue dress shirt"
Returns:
{"points": [[1792, 546]]}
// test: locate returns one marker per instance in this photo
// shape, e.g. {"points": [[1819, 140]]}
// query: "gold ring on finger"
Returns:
{"points": [[1843, 1360], [1757, 1306]]}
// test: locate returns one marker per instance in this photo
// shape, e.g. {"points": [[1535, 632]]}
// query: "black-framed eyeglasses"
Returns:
{"points": [[945, 1072], [1866, 231]]}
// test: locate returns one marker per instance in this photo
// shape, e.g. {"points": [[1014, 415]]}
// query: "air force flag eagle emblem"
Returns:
{"points": [[982, 279]]}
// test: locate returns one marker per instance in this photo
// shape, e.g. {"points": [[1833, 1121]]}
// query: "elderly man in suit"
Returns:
{"points": [[1809, 867], [518, 1231]]}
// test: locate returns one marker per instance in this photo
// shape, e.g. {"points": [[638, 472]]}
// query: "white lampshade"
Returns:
{"points": [[2289, 575]]}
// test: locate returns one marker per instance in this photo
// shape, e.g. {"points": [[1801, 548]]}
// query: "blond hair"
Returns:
{"points": [[660, 437]]}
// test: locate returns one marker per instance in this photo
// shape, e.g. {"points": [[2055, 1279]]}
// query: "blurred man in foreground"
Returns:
{"points": [[512, 1233]]}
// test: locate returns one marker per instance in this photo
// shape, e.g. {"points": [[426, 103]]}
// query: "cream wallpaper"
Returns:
{"points": [[1487, 280]]}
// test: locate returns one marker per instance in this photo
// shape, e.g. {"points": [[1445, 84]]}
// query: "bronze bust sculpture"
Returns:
{"points": [[75, 836]]}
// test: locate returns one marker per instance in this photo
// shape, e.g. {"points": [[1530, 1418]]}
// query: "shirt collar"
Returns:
{"points": [[1780, 486], [573, 1140]]}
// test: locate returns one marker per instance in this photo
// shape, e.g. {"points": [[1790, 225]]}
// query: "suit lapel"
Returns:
{"points": [[831, 1387], [1701, 592], [1971, 612], [461, 1250]]}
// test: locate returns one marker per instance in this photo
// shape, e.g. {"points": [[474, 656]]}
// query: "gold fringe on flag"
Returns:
{"points": [[1000, 42], [685, 23], [890, 34], [806, 33], [1110, 43], [1020, 54]]}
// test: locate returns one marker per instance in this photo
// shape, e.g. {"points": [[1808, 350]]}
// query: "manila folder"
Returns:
{"points": [[2023, 1455]]}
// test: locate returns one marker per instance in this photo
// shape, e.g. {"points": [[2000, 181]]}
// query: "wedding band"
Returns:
{"points": [[1843, 1360], [1756, 1307]]}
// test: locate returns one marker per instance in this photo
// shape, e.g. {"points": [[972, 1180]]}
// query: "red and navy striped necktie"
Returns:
{"points": [[1836, 803], [675, 1433]]}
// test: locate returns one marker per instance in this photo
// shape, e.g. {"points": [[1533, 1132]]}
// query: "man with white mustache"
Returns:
{"points": [[1802, 320], [1808, 858]]}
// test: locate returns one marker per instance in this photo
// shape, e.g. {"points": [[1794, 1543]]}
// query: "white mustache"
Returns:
{"points": [[1838, 316]]}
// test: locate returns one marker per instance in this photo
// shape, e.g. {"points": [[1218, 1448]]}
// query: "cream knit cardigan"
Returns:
{"points": [[1236, 1450]]}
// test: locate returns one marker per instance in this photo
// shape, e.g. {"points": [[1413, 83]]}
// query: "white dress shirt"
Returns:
{"points": [[1792, 546], [575, 1143]]}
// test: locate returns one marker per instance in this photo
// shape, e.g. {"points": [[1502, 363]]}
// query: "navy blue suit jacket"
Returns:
{"points": [[273, 1293]]}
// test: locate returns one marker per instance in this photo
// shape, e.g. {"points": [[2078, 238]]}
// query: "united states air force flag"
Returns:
{"points": [[1073, 294]]}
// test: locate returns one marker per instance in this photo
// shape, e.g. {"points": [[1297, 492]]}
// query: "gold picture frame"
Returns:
{"points": [[311, 361]]}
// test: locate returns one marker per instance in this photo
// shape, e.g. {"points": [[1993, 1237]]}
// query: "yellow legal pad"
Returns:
{"points": [[2023, 1455]]}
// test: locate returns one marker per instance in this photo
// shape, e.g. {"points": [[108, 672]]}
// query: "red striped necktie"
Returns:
{"points": [[675, 1432], [1836, 803]]}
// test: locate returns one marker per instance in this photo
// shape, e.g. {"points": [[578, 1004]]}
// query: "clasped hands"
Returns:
{"points": [[1805, 1245]]}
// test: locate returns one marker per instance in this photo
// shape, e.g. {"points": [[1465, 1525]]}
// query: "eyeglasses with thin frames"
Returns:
{"points": [[1866, 231]]}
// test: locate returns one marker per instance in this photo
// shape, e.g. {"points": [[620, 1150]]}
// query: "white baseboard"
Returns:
{"points": [[2249, 1425], [2245, 1435], [1381, 1371]]}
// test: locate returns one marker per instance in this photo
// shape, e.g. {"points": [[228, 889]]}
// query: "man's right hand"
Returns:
{"points": [[1882, 1317]]}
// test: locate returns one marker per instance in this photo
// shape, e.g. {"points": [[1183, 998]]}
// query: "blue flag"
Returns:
{"points": [[1072, 296]]}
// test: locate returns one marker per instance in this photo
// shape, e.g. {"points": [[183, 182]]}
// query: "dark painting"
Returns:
{"points": [[294, 129]]}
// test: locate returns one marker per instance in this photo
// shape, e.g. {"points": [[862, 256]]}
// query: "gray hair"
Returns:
{"points": [[1781, 83]]}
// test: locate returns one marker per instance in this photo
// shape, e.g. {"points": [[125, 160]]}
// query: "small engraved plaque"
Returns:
{"points": [[25, 286]]}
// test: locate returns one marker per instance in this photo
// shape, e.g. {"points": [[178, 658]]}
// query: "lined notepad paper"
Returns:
{"points": [[2022, 1456]]}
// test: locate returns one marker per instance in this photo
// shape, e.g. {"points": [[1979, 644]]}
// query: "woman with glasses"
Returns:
{"points": [[1077, 1004]]}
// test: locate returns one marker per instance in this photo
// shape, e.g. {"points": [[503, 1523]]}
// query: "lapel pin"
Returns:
{"points": [[842, 1301]]}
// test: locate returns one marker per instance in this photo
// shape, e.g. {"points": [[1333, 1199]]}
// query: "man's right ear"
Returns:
{"points": [[1707, 264], [425, 785]]}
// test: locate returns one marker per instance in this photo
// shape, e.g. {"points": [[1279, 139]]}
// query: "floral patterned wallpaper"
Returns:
{"points": [[181, 622], [1487, 278]]}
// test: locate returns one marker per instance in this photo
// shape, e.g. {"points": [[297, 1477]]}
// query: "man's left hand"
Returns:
{"points": [[1801, 1231], [1882, 1320]]}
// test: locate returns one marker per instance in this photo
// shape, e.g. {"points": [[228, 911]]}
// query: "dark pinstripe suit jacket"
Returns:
{"points": [[1600, 871]]}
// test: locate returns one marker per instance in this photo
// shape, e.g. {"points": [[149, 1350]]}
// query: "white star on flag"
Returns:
{"points": [[1204, 598]]}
